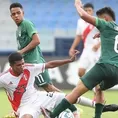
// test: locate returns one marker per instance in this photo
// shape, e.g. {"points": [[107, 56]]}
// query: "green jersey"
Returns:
{"points": [[24, 34], [109, 41]]}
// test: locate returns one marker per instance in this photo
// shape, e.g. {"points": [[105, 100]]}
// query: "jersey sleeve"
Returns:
{"points": [[36, 68], [101, 24], [30, 28], [40, 68]]}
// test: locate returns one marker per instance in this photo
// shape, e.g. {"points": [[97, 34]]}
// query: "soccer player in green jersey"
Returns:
{"points": [[105, 72], [28, 45]]}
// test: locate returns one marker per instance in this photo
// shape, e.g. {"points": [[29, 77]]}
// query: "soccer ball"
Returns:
{"points": [[66, 114]]}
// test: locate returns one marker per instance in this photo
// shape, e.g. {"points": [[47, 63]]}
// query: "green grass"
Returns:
{"points": [[111, 97]]}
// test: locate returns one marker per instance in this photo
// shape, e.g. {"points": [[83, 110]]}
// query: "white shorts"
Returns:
{"points": [[88, 59], [47, 100]]}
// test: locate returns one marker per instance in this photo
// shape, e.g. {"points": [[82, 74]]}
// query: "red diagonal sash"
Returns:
{"points": [[20, 89], [86, 31]]}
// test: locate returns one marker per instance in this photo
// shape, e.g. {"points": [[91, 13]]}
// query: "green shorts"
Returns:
{"points": [[105, 75], [43, 79]]}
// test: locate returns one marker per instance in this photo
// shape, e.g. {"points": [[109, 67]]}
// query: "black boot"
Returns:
{"points": [[110, 107]]}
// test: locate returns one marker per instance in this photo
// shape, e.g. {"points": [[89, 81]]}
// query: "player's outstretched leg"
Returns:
{"points": [[90, 103]]}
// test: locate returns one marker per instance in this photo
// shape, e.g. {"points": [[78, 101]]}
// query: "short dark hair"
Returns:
{"points": [[13, 57], [14, 5], [88, 5], [106, 10]]}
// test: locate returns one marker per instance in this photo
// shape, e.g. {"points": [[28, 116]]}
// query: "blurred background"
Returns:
{"points": [[56, 22]]}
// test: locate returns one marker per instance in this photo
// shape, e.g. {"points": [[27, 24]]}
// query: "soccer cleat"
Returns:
{"points": [[45, 112], [111, 107]]}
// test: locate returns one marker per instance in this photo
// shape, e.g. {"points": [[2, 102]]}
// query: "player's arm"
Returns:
{"points": [[40, 68], [34, 42], [75, 44], [33, 34], [57, 63], [86, 17]]}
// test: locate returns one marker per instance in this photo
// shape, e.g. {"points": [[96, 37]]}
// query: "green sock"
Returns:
{"points": [[60, 107], [72, 108], [98, 110]]}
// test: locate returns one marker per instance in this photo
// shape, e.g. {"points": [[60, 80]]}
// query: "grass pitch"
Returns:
{"points": [[111, 97]]}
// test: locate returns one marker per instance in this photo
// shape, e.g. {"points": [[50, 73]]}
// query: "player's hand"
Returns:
{"points": [[73, 57], [78, 3], [96, 36], [71, 52]]}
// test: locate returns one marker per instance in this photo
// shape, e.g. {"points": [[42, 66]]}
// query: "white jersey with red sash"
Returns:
{"points": [[87, 31], [20, 88]]}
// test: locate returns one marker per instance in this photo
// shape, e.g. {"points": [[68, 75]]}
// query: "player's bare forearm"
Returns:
{"points": [[88, 18], [57, 63], [75, 44], [35, 41], [76, 41]]}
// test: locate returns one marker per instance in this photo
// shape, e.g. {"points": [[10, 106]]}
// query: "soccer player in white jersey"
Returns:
{"points": [[86, 32], [18, 82]]}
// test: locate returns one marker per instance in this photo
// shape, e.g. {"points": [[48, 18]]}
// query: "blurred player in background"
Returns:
{"points": [[91, 51], [28, 45], [18, 82]]}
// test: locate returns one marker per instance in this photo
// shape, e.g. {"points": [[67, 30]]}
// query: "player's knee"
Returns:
{"points": [[99, 95], [98, 90]]}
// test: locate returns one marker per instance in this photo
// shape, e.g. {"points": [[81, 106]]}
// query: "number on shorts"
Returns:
{"points": [[40, 78], [116, 44], [50, 94]]}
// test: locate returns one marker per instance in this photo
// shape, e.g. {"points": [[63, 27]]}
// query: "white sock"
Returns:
{"points": [[86, 102], [94, 90]]}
